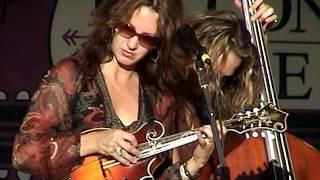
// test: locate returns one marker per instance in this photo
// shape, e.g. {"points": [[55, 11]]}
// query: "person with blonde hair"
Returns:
{"points": [[234, 71]]}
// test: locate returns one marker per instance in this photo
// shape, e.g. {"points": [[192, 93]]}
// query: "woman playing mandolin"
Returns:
{"points": [[95, 101]]}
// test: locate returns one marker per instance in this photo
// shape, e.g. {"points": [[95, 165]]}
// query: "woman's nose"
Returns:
{"points": [[133, 42]]}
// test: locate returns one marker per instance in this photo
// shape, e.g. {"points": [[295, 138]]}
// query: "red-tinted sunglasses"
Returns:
{"points": [[127, 31]]}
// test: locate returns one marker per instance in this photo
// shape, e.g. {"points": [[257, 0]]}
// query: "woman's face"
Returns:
{"points": [[132, 41], [232, 62]]}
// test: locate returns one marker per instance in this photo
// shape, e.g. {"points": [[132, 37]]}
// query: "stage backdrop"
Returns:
{"points": [[36, 34]]}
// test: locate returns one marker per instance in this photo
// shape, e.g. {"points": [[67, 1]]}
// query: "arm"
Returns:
{"points": [[195, 155], [45, 144], [191, 168]]}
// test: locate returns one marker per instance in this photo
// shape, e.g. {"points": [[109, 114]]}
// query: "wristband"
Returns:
{"points": [[188, 174]]}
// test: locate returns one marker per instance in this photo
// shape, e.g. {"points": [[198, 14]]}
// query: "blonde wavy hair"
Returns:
{"points": [[221, 32]]}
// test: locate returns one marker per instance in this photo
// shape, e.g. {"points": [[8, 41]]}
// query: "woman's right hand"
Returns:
{"points": [[117, 143], [264, 13]]}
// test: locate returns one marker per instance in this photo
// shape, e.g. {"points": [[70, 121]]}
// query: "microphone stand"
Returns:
{"points": [[222, 171]]}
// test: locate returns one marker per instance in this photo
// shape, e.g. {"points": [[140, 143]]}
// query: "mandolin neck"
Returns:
{"points": [[166, 143], [235, 124]]}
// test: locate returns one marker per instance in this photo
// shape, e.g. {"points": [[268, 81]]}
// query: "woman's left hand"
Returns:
{"points": [[204, 150], [206, 146], [264, 13]]}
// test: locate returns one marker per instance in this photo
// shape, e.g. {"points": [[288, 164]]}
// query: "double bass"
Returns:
{"points": [[268, 153]]}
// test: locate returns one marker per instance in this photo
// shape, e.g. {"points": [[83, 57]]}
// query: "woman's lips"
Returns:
{"points": [[127, 54]]}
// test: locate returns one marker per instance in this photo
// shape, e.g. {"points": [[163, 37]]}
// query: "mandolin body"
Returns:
{"points": [[96, 168]]}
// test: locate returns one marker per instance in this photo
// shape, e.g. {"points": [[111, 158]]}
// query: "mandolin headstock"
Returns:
{"points": [[265, 118]]}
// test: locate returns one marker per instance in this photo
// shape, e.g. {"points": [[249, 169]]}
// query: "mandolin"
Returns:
{"points": [[153, 143]]}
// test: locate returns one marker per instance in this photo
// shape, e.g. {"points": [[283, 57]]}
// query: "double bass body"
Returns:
{"points": [[247, 158]]}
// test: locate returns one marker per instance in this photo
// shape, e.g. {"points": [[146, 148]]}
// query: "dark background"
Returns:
{"points": [[25, 57]]}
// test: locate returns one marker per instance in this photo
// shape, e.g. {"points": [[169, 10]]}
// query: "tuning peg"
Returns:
{"points": [[262, 104], [252, 125], [255, 134], [255, 109], [247, 135]]}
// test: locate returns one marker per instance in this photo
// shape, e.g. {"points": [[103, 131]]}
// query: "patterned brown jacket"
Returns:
{"points": [[48, 141]]}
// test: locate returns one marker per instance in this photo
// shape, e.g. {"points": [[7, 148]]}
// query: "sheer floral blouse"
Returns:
{"points": [[63, 106]]}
